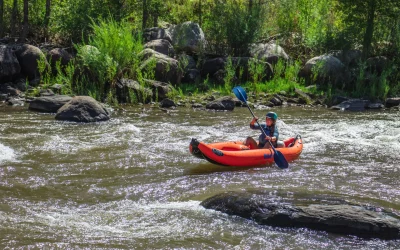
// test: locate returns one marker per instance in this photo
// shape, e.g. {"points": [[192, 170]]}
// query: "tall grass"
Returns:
{"points": [[111, 53]]}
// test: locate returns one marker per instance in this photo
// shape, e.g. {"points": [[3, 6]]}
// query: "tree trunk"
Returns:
{"points": [[250, 5], [145, 14], [200, 14], [369, 32], [14, 18], [47, 18], [47, 14], [1, 18], [155, 23], [26, 22]]}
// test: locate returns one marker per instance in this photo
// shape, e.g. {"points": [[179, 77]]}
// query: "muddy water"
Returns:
{"points": [[130, 183]]}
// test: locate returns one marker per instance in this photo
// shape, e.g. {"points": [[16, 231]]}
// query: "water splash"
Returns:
{"points": [[6, 153]]}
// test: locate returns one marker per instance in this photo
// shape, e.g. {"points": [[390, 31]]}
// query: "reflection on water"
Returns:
{"points": [[132, 183]]}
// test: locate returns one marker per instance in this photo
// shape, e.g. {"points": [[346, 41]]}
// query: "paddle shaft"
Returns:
{"points": [[262, 130]]}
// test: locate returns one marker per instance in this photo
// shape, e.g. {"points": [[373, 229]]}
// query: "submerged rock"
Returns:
{"points": [[327, 213]]}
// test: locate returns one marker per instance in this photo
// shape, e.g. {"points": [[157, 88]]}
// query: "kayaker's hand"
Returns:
{"points": [[255, 118], [268, 138]]}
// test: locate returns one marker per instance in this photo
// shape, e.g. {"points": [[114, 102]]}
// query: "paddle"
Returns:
{"points": [[278, 156]]}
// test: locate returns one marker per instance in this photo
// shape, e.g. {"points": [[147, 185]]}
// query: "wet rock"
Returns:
{"points": [[167, 103], [303, 96], [327, 213], [352, 105], [223, 103], [49, 104], [9, 89], [392, 102], [375, 106], [12, 101], [83, 109]]}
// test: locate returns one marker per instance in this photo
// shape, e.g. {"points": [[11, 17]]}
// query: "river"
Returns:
{"points": [[131, 183]]}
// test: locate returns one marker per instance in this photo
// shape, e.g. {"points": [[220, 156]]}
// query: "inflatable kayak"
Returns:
{"points": [[236, 154]]}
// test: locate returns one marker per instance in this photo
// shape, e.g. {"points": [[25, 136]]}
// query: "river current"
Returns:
{"points": [[131, 183]]}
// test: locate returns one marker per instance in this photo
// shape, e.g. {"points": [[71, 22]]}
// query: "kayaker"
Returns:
{"points": [[271, 131]]}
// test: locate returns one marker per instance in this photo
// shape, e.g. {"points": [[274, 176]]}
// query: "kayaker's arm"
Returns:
{"points": [[253, 124]]}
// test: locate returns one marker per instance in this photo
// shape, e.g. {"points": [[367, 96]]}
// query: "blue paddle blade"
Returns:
{"points": [[240, 93], [280, 160]]}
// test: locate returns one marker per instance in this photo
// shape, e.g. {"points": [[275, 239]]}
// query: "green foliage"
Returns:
{"points": [[230, 71], [231, 27], [112, 53]]}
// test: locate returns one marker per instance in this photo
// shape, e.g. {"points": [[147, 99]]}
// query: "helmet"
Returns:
{"points": [[272, 115]]}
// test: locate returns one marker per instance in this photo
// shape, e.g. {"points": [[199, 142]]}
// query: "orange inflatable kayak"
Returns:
{"points": [[236, 154]]}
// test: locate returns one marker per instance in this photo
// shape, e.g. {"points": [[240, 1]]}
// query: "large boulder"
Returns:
{"points": [[162, 46], [291, 209], [167, 69], [59, 55], [222, 103], [324, 70], [352, 105], [28, 57], [392, 102], [350, 58], [83, 109], [211, 66], [9, 65], [188, 37], [269, 52], [49, 104]]}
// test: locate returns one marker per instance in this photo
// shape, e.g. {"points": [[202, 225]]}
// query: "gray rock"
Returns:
{"points": [[160, 90], [162, 46], [83, 109], [269, 52], [352, 105], [157, 33], [187, 36], [128, 89], [327, 213], [49, 104], [9, 65], [222, 103], [167, 103], [28, 57], [392, 102], [59, 55]]}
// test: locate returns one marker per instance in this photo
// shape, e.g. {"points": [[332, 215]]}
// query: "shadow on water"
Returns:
{"points": [[208, 168]]}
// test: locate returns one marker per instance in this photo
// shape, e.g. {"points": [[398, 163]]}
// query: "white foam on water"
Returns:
{"points": [[6, 153]]}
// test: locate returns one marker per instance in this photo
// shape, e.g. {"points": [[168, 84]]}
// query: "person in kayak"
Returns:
{"points": [[270, 130]]}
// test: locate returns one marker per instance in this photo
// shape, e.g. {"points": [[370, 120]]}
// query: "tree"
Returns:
{"points": [[14, 14], [362, 17], [1, 18], [25, 28]]}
